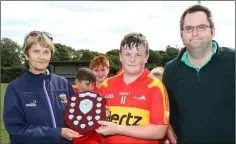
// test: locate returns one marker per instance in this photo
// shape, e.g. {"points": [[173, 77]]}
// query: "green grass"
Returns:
{"points": [[3, 132]]}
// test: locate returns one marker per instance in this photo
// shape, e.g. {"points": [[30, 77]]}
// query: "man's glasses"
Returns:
{"points": [[199, 28], [37, 33]]}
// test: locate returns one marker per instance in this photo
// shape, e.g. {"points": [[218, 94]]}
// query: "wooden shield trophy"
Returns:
{"points": [[83, 111]]}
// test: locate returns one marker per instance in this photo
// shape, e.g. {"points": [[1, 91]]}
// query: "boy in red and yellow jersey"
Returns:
{"points": [[100, 67], [138, 102]]}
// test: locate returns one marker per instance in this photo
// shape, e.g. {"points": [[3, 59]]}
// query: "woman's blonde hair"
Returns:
{"points": [[157, 72], [37, 37]]}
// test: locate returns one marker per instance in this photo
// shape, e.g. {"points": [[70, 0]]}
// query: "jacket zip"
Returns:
{"points": [[49, 104], [198, 78]]}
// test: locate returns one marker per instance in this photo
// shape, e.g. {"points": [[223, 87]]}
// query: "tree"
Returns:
{"points": [[64, 52], [169, 54], [12, 56], [155, 59], [76, 55], [114, 59], [88, 55], [114, 52], [172, 52], [11, 53]]}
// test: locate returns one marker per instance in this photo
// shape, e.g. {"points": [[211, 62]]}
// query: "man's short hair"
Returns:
{"points": [[197, 8]]}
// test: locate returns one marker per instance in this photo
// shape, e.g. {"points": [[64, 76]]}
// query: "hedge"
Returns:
{"points": [[9, 74]]}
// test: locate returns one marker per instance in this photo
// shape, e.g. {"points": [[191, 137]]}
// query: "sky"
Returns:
{"points": [[101, 25]]}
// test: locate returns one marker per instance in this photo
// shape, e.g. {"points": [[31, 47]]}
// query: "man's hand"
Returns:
{"points": [[69, 134], [108, 128]]}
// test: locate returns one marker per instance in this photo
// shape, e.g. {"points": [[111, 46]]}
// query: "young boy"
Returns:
{"points": [[138, 102], [85, 81], [100, 67]]}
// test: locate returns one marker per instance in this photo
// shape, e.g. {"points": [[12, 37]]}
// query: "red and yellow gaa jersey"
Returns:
{"points": [[141, 102], [75, 87], [120, 71]]}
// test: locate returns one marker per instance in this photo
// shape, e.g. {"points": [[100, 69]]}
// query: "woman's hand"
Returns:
{"points": [[69, 134]]}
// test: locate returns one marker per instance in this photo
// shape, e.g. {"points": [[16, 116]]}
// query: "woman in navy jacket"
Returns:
{"points": [[34, 103]]}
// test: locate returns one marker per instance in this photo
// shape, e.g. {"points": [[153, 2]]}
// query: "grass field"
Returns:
{"points": [[3, 133]]}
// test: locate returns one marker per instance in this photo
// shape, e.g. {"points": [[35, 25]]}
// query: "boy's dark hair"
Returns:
{"points": [[197, 8], [85, 74], [134, 39]]}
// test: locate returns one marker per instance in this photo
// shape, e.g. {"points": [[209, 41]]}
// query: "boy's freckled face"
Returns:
{"points": [[84, 85], [100, 73]]}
